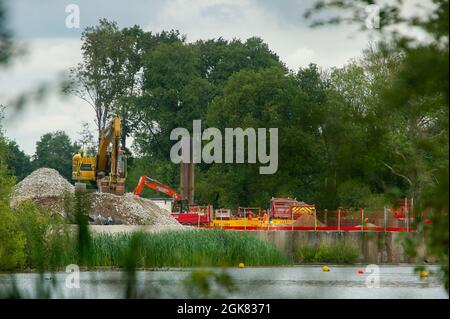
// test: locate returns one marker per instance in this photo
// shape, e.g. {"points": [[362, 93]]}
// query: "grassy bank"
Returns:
{"points": [[185, 249], [338, 253], [193, 248]]}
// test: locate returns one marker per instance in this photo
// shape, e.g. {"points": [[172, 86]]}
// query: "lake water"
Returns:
{"points": [[395, 282]]}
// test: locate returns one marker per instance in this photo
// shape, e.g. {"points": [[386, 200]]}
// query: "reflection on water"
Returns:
{"points": [[271, 282]]}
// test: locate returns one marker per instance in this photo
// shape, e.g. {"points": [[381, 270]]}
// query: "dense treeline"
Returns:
{"points": [[340, 142], [369, 132]]}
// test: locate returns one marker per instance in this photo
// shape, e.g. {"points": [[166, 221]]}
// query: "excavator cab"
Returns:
{"points": [[83, 170], [108, 168]]}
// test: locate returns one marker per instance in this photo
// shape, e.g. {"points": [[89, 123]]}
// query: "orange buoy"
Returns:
{"points": [[360, 271]]}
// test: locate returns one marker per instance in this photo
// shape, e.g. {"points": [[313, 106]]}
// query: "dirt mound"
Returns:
{"points": [[132, 210], [48, 189], [44, 185], [307, 221]]}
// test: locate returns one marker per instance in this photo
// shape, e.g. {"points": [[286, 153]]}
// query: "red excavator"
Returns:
{"points": [[156, 185], [181, 210]]}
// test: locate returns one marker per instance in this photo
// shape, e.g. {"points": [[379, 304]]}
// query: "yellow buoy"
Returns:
{"points": [[241, 265], [325, 268], [423, 274]]}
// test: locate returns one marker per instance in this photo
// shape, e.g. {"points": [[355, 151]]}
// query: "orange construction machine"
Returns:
{"points": [[156, 185], [181, 211]]}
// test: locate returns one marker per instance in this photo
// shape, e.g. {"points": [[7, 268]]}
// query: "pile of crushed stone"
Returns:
{"points": [[130, 209], [43, 182], [48, 189]]}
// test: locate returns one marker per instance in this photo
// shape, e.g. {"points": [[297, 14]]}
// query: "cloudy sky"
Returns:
{"points": [[53, 48]]}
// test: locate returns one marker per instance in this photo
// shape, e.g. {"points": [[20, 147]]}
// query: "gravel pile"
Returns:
{"points": [[129, 209], [47, 188]]}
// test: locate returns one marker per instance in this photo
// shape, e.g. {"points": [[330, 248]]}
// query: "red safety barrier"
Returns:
{"points": [[346, 229]]}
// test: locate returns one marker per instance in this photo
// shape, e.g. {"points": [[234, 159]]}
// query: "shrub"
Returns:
{"points": [[306, 254], [47, 237], [340, 253], [12, 241]]}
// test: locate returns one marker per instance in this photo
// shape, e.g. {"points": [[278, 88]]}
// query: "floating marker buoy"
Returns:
{"points": [[360, 271], [241, 265], [423, 274], [325, 268]]}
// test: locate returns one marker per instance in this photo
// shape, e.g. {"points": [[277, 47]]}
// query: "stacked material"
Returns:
{"points": [[132, 210], [307, 221], [48, 189]]}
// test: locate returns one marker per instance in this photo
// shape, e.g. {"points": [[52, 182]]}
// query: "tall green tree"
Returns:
{"points": [[55, 150], [270, 98], [413, 108], [110, 76], [18, 162]]}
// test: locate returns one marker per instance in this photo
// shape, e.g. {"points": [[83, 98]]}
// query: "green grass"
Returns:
{"points": [[186, 249], [193, 248], [339, 253]]}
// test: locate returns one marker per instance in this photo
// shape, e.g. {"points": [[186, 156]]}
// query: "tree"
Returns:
{"points": [[110, 76], [269, 98], [93, 79], [413, 108], [18, 162], [86, 140], [55, 150]]}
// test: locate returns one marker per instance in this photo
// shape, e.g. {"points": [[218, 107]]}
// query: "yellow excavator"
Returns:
{"points": [[108, 169]]}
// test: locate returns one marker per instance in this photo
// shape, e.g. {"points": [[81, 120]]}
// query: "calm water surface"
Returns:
{"points": [[268, 282]]}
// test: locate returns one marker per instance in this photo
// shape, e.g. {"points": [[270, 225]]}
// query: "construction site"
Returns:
{"points": [[224, 149], [112, 210]]}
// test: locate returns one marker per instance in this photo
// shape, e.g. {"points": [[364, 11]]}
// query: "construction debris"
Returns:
{"points": [[49, 190], [132, 210], [307, 221], [43, 182], [46, 187]]}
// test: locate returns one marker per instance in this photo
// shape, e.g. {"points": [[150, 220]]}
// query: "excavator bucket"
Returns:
{"points": [[105, 186], [120, 188]]}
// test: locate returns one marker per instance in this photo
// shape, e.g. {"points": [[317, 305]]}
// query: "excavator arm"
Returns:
{"points": [[156, 185], [111, 166], [110, 135], [107, 168]]}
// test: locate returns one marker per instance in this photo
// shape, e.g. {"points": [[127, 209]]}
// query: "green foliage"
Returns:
{"points": [[12, 241], [83, 203], [47, 237], [306, 254], [353, 195], [412, 110], [19, 163], [209, 284], [186, 249], [339, 253], [55, 150]]}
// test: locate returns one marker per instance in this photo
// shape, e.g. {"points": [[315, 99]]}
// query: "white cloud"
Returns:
{"points": [[300, 58], [295, 43], [45, 60], [327, 47]]}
